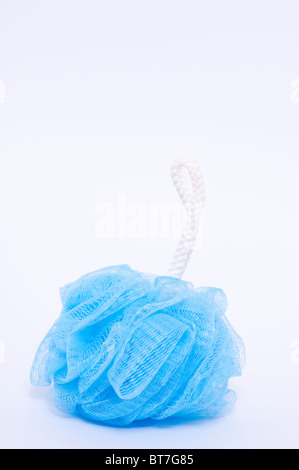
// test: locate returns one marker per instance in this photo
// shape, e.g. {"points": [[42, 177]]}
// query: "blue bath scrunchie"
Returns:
{"points": [[130, 346]]}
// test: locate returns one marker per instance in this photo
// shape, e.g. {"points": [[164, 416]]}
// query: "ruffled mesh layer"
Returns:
{"points": [[129, 346]]}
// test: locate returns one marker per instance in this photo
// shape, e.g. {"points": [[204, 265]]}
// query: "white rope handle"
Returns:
{"points": [[193, 203]]}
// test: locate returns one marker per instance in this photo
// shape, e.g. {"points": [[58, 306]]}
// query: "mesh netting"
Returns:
{"points": [[129, 346]]}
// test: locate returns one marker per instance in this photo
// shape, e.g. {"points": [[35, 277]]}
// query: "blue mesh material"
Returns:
{"points": [[129, 346]]}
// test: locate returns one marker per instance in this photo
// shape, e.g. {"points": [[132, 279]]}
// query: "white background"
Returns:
{"points": [[100, 98]]}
